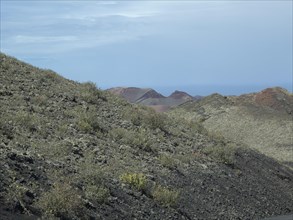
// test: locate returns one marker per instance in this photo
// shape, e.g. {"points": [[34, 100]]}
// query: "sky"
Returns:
{"points": [[230, 47]]}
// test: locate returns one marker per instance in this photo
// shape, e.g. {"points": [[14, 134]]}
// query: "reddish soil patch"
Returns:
{"points": [[274, 98]]}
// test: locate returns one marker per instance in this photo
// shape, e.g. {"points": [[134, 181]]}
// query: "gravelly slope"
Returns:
{"points": [[70, 151]]}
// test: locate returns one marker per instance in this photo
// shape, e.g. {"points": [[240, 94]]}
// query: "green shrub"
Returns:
{"points": [[145, 116], [118, 134], [217, 137], [97, 193], [168, 161], [138, 138], [164, 196], [58, 149], [87, 120], [134, 114], [84, 125], [61, 201], [62, 130], [155, 120], [6, 128], [51, 75], [26, 120], [90, 93], [93, 179], [50, 150], [40, 100], [91, 173], [222, 153], [197, 126], [137, 180]]}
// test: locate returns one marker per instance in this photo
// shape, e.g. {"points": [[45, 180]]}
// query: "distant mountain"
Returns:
{"points": [[180, 95], [134, 95], [260, 120], [152, 98]]}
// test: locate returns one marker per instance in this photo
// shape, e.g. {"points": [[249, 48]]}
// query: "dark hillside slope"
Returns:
{"points": [[70, 151]]}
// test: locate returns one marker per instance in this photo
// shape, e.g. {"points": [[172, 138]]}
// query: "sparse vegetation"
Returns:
{"points": [[54, 150], [61, 201], [139, 139], [91, 94], [87, 120], [62, 129], [26, 120], [51, 75], [135, 115], [137, 180], [168, 161], [146, 117], [166, 197], [222, 153], [97, 193], [40, 100], [93, 179], [16, 195], [155, 120], [70, 151]]}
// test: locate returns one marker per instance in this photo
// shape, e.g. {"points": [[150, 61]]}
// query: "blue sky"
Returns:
{"points": [[202, 47]]}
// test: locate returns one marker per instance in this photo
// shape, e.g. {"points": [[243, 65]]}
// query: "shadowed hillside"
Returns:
{"points": [[71, 151]]}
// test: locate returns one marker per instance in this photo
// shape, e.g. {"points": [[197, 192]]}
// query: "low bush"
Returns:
{"points": [[61, 201], [144, 116], [137, 180], [197, 126], [217, 136], [62, 129], [87, 120], [119, 134], [40, 100], [222, 153], [164, 196], [91, 94], [26, 120], [55, 150], [51, 75], [155, 120], [97, 193], [140, 138], [168, 161], [93, 179], [6, 128], [134, 114]]}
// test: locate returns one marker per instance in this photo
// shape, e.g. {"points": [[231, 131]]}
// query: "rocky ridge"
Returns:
{"points": [[260, 120], [151, 98]]}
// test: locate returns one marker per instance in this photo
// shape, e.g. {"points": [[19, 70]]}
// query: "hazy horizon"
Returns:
{"points": [[228, 47], [205, 90]]}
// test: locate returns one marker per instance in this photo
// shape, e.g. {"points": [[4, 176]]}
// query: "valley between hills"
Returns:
{"points": [[71, 151]]}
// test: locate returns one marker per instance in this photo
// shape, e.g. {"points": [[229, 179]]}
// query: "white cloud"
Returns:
{"points": [[20, 39], [106, 2], [66, 26]]}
